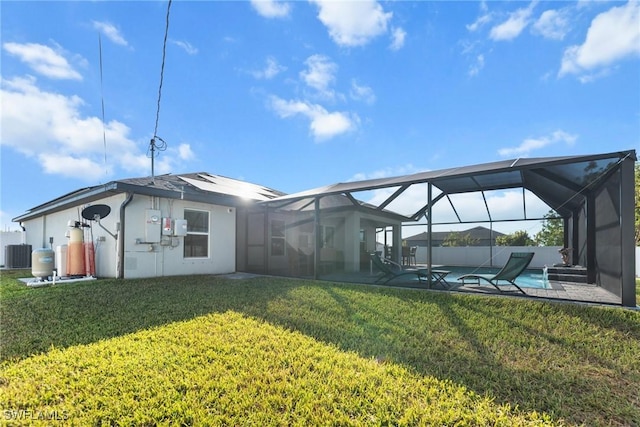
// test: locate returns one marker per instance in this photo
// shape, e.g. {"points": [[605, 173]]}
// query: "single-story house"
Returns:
{"points": [[200, 223], [478, 236]]}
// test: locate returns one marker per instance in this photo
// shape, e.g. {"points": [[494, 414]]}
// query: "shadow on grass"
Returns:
{"points": [[525, 353]]}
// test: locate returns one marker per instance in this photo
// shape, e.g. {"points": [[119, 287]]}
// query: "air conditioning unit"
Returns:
{"points": [[17, 256]]}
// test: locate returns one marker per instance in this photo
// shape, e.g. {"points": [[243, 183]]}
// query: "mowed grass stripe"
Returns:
{"points": [[229, 369]]}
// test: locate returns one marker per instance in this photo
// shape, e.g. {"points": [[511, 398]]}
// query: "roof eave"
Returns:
{"points": [[90, 194], [116, 187]]}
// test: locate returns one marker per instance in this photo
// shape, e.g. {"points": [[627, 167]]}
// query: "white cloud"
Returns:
{"points": [[111, 32], [612, 36], [397, 39], [353, 23], [386, 172], [271, 8], [532, 144], [270, 70], [185, 152], [51, 128], [43, 60], [513, 26], [477, 66], [503, 204], [323, 124], [362, 93], [320, 74], [407, 203], [70, 166], [552, 24], [482, 20], [186, 46]]}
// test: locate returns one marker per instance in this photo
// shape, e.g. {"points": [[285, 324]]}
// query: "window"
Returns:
{"points": [[196, 242], [277, 237], [326, 236], [363, 241]]}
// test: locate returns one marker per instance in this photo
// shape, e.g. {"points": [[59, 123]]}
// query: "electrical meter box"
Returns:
{"points": [[179, 227], [153, 225], [167, 227]]}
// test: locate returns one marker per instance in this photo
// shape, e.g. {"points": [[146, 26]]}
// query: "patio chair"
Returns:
{"points": [[391, 270], [412, 255], [516, 264]]}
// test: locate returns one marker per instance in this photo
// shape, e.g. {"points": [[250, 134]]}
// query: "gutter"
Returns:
{"points": [[121, 233], [95, 193], [64, 202]]}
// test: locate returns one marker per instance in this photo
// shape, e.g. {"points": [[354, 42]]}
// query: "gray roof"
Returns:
{"points": [[478, 232], [199, 187]]}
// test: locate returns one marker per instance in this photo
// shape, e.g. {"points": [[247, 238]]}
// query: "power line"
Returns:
{"points": [[164, 49], [157, 143]]}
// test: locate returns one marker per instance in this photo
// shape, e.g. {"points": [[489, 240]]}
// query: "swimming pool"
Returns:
{"points": [[530, 278]]}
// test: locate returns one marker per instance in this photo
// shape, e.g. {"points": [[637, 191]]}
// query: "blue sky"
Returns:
{"points": [[297, 95]]}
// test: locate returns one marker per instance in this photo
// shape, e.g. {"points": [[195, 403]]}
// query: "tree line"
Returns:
{"points": [[551, 234]]}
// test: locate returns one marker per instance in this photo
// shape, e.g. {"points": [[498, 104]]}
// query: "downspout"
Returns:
{"points": [[121, 236]]}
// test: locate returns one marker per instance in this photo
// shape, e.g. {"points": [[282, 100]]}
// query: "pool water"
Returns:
{"points": [[530, 278]]}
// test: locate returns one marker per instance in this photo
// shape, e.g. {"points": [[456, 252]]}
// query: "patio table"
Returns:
{"points": [[438, 277]]}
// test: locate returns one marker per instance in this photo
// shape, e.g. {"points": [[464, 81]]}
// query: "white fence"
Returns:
{"points": [[497, 256]]}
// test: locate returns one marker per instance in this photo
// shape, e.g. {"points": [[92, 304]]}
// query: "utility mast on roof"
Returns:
{"points": [[157, 143]]}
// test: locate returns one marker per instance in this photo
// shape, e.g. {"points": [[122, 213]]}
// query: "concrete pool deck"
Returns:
{"points": [[559, 291]]}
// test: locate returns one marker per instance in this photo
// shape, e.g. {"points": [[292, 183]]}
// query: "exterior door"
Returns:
{"points": [[256, 243]]}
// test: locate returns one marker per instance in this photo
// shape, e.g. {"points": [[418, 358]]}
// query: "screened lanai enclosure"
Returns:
{"points": [[334, 228]]}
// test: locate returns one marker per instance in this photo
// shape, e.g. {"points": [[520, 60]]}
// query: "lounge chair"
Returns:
{"points": [[391, 270], [516, 264]]}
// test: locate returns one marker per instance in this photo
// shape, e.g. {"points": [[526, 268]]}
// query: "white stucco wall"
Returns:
{"points": [[141, 259], [40, 230], [167, 258]]}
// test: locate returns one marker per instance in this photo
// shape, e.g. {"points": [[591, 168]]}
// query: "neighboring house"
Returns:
{"points": [[480, 236], [200, 223]]}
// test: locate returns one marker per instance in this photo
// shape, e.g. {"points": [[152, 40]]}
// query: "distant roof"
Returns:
{"points": [[478, 232], [199, 186], [560, 182]]}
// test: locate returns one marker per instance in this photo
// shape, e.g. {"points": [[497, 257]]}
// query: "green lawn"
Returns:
{"points": [[265, 351]]}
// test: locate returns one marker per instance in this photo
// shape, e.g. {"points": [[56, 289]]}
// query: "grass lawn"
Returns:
{"points": [[266, 351]]}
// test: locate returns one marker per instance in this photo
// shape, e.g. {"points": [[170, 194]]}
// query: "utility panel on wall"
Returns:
{"points": [[180, 227], [167, 226], [153, 225]]}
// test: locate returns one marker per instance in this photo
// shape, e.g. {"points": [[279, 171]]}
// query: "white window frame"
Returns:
{"points": [[197, 233]]}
